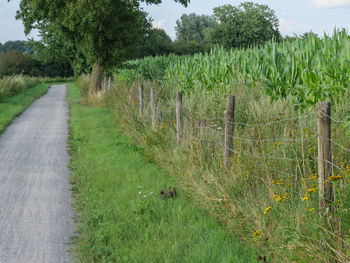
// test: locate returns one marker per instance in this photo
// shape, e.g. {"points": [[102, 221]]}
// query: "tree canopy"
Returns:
{"points": [[14, 62], [18, 45], [155, 43], [192, 27], [243, 26], [105, 32]]}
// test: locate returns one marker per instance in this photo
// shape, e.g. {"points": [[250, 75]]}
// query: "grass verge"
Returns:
{"points": [[13, 106], [122, 215]]}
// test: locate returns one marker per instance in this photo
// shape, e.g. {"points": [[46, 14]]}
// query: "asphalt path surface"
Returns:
{"points": [[36, 216]]}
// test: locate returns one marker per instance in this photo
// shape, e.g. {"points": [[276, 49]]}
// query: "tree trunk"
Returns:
{"points": [[96, 78]]}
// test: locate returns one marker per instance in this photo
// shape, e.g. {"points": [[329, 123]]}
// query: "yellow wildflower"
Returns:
{"points": [[333, 178], [312, 190], [276, 144], [306, 198], [257, 233], [313, 177], [277, 198], [267, 209], [311, 209]]}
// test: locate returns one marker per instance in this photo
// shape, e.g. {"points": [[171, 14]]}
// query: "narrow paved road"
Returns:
{"points": [[36, 217]]}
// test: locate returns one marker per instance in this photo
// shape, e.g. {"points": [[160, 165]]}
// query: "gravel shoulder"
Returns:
{"points": [[35, 210]]}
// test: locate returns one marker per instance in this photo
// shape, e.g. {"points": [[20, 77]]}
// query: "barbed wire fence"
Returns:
{"points": [[299, 160]]}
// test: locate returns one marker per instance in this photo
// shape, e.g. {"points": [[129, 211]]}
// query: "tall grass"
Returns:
{"points": [[263, 174], [12, 106], [123, 218], [12, 85]]}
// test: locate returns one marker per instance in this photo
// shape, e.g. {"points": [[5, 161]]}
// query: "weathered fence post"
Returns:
{"points": [[109, 82], [154, 107], [325, 169], [131, 92], [229, 128], [179, 118], [141, 101]]}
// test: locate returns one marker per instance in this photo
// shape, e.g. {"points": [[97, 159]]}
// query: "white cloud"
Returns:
{"points": [[289, 26], [331, 3], [160, 24]]}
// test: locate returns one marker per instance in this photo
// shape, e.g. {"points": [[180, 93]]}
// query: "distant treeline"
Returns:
{"points": [[18, 45], [19, 57]]}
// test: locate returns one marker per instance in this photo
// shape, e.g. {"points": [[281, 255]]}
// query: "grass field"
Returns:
{"points": [[122, 215], [15, 105]]}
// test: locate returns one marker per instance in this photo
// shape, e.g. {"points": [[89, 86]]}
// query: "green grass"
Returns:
{"points": [[13, 106], [122, 217]]}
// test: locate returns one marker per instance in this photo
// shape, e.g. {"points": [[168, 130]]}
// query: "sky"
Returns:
{"points": [[295, 16]]}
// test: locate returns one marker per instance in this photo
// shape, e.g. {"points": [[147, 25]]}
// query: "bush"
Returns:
{"points": [[14, 63], [83, 83], [10, 86]]}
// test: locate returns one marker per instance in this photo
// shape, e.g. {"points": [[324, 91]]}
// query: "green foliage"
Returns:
{"points": [[14, 63], [13, 106], [181, 48], [105, 32], [306, 70], [56, 55], [155, 43], [18, 45], [83, 83], [149, 68], [122, 215], [192, 27], [247, 25]]}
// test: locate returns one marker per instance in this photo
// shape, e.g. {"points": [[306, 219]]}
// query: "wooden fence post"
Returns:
{"points": [[179, 117], [229, 128], [109, 82], [154, 107], [325, 169], [131, 92], [141, 101]]}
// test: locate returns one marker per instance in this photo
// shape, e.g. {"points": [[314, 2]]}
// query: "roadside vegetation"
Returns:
{"points": [[12, 106], [130, 209], [12, 85], [269, 197]]}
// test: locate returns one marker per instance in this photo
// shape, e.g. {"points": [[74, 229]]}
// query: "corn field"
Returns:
{"points": [[305, 70]]}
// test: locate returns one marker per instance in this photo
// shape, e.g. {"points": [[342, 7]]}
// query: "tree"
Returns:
{"points": [[19, 45], [58, 56], [155, 43], [189, 47], [192, 27], [14, 62], [106, 32], [243, 26]]}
